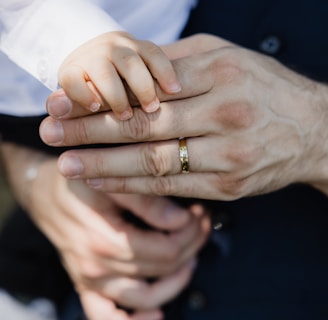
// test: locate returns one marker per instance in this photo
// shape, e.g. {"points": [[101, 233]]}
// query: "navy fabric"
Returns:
{"points": [[276, 263], [272, 262], [300, 25]]}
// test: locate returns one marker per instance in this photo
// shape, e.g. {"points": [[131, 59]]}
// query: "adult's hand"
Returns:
{"points": [[107, 257], [252, 126]]}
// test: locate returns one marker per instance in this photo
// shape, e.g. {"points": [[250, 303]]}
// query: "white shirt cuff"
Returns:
{"points": [[41, 40]]}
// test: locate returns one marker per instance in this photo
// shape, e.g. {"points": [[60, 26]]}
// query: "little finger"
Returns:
{"points": [[160, 67]]}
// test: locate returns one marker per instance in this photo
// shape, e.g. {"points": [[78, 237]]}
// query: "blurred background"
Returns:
{"points": [[6, 198]]}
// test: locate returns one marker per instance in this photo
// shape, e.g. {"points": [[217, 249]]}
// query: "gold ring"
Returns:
{"points": [[184, 159]]}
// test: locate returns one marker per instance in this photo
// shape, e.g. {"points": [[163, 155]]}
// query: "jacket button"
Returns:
{"points": [[196, 300], [270, 45]]}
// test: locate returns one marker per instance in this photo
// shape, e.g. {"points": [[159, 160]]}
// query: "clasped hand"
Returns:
{"points": [[107, 257]]}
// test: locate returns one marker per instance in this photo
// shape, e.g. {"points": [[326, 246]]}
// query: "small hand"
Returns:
{"points": [[60, 106], [95, 74]]}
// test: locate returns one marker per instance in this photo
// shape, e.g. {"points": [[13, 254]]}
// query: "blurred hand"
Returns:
{"points": [[107, 257]]}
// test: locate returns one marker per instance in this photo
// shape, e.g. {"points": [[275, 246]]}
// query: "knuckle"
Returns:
{"points": [[201, 38], [99, 167], [68, 75], [162, 186], [82, 133], [235, 115], [123, 185], [231, 72], [90, 270], [146, 92], [151, 48], [232, 187], [153, 160], [105, 74], [241, 155], [121, 35], [228, 68], [130, 58], [138, 128], [98, 245]]}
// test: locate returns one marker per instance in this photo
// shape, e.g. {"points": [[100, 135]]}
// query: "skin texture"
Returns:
{"points": [[107, 257], [252, 126]]}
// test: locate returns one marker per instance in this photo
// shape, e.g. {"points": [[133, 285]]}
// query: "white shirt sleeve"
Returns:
{"points": [[38, 34]]}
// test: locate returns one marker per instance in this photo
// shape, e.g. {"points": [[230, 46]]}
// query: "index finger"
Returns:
{"points": [[173, 120]]}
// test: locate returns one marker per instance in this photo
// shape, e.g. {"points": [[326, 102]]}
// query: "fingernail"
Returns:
{"points": [[126, 115], [174, 87], [70, 166], [95, 106], [59, 106], [153, 106], [95, 183], [52, 132]]}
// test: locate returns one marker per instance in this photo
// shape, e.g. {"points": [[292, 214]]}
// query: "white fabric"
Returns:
{"points": [[11, 309], [38, 34], [20, 93]]}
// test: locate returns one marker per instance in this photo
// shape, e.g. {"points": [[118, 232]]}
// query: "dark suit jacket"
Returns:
{"points": [[270, 259]]}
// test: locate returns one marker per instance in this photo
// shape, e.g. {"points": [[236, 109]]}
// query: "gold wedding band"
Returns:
{"points": [[184, 159]]}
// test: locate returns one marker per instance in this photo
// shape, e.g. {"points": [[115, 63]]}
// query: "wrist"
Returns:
{"points": [[315, 164]]}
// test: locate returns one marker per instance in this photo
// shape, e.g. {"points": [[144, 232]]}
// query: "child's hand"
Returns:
{"points": [[94, 74]]}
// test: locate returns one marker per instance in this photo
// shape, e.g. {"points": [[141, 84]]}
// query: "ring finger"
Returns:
{"points": [[146, 159]]}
